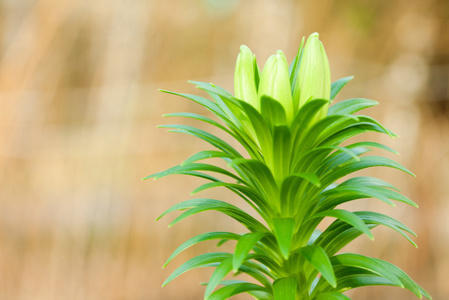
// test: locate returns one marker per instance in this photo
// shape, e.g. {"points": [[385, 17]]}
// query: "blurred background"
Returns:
{"points": [[79, 106]]}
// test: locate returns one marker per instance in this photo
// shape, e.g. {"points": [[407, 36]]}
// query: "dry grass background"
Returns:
{"points": [[79, 107]]}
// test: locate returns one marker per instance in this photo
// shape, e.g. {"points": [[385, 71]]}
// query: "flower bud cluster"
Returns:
{"points": [[309, 79]]}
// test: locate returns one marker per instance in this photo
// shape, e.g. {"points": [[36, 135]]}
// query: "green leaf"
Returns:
{"points": [[281, 152], [331, 296], [369, 120], [248, 194], [285, 288], [239, 288], [319, 259], [294, 69], [305, 115], [204, 135], [340, 158], [351, 106], [272, 110], [351, 131], [200, 118], [347, 217], [261, 178], [356, 281], [321, 131], [244, 245], [220, 272], [354, 277], [315, 235], [374, 145], [203, 204], [261, 128], [315, 158], [376, 218], [203, 260], [205, 155], [210, 105], [377, 189], [380, 267], [365, 162], [283, 230], [269, 261], [292, 191], [326, 127], [182, 169], [201, 238], [368, 181], [310, 177], [342, 194], [338, 85], [256, 271], [424, 292], [338, 235]]}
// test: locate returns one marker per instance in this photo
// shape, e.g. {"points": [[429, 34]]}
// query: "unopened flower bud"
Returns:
{"points": [[314, 79], [244, 79], [275, 82]]}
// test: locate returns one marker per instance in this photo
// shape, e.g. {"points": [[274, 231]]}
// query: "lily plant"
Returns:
{"points": [[296, 169]]}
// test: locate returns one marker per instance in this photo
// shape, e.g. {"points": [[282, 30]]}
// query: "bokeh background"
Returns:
{"points": [[79, 106]]}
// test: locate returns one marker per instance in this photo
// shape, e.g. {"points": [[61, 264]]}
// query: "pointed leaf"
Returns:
{"points": [[336, 86], [203, 260], [368, 181], [220, 272], [319, 259], [285, 288], [351, 106], [272, 110], [204, 204], [244, 245], [283, 230], [200, 118], [377, 218], [338, 235], [374, 265], [261, 178], [281, 152], [204, 135], [374, 145], [365, 162], [238, 288], [292, 191], [210, 105], [182, 169], [305, 115], [201, 238], [205, 155], [331, 296], [347, 217], [294, 68]]}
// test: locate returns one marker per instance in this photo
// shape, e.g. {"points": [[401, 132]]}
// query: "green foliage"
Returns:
{"points": [[293, 175]]}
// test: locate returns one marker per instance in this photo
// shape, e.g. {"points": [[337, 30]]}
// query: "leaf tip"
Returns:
{"points": [[149, 177], [165, 283], [333, 282]]}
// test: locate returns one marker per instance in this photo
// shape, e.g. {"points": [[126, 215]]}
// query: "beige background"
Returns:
{"points": [[79, 107]]}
